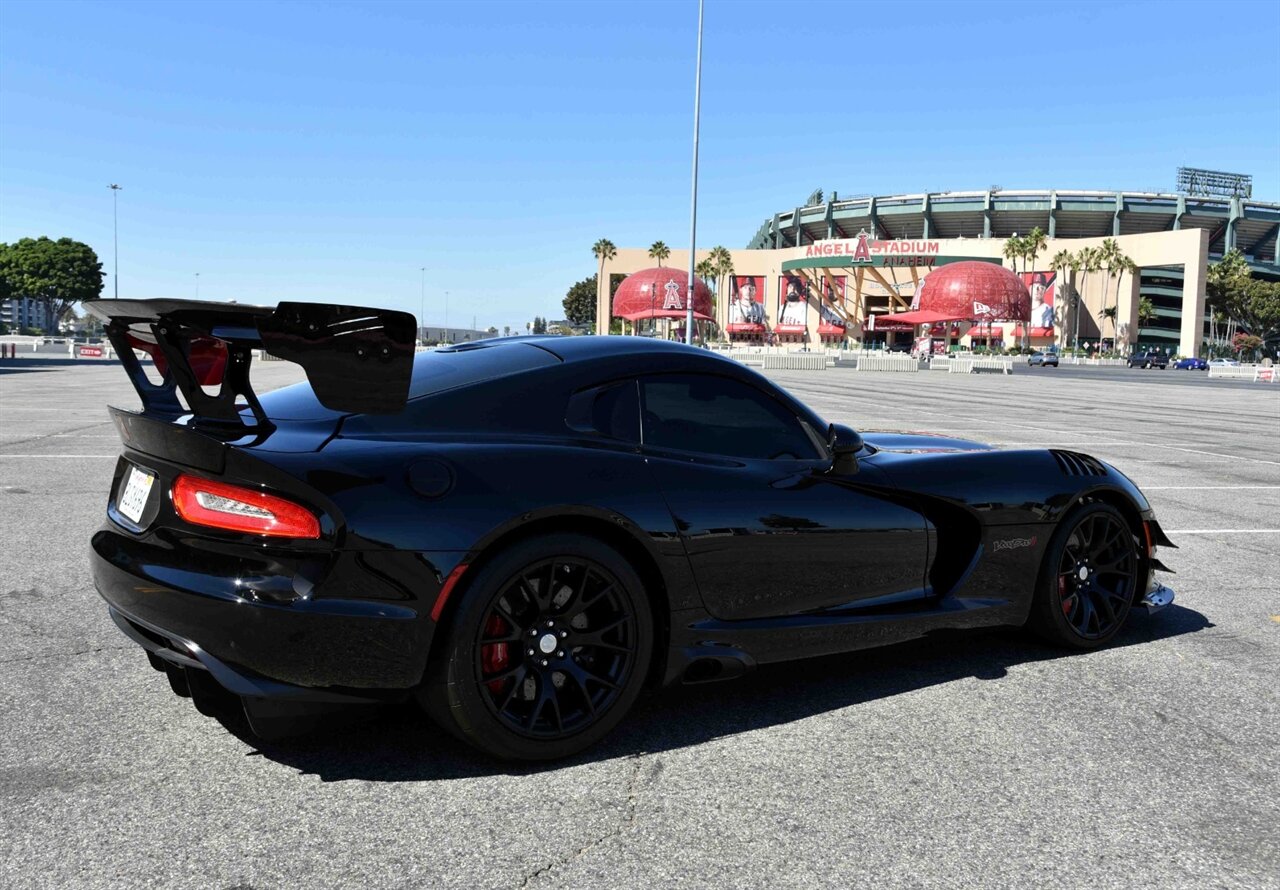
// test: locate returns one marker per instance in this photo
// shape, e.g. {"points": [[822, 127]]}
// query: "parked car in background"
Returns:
{"points": [[1224, 363], [1149, 360], [1190, 364], [1043, 359]]}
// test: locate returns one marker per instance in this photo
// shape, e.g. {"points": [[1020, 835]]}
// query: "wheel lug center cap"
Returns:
{"points": [[547, 643], [1084, 573]]}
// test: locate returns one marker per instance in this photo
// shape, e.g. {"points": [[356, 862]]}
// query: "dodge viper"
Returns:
{"points": [[524, 533]]}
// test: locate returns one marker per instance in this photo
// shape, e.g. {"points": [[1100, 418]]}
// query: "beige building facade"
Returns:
{"points": [[829, 292]]}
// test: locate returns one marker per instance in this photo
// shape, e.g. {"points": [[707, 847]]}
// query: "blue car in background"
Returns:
{"points": [[1191, 364]]}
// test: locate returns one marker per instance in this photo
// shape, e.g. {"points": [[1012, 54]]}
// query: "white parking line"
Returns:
{"points": [[1223, 531], [1209, 487], [57, 455]]}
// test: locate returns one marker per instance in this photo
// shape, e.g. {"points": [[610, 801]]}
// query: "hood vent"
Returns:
{"points": [[1075, 464]]}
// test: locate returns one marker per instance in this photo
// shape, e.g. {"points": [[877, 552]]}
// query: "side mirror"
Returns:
{"points": [[845, 443]]}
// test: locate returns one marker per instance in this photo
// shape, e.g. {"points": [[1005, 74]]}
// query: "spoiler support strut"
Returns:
{"points": [[357, 360]]}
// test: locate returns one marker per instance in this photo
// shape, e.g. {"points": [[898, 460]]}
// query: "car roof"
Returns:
{"points": [[584, 348]]}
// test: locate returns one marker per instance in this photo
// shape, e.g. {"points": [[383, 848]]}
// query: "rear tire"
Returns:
{"points": [[1089, 579], [546, 651]]}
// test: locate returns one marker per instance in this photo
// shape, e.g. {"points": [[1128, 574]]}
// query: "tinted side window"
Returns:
{"points": [[612, 411], [716, 415]]}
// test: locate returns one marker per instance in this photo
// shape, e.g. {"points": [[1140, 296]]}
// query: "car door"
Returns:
{"points": [[767, 529]]}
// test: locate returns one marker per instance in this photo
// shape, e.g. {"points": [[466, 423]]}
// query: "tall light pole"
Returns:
{"points": [[422, 307], [197, 285], [446, 316], [693, 211], [115, 232]]}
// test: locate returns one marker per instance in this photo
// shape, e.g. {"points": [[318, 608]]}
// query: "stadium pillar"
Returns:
{"points": [[1179, 213], [1194, 271], [1115, 217], [831, 220], [1053, 215], [925, 213], [986, 216], [1233, 217]]}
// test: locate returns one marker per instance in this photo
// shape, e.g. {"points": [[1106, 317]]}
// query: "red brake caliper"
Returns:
{"points": [[1067, 601], [495, 657]]}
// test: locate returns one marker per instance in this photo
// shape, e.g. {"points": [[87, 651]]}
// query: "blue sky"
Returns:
{"points": [[328, 151]]}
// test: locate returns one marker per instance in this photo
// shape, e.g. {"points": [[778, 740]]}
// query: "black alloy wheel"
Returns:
{"points": [[556, 646], [1090, 578], [546, 651]]}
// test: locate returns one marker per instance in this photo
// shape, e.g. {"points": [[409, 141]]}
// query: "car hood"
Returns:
{"points": [[916, 443]]}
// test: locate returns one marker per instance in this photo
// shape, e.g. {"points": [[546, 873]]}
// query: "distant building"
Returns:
{"points": [[23, 312], [432, 335]]}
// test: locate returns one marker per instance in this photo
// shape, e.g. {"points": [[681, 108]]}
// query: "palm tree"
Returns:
{"points": [[604, 250], [1035, 244], [1014, 248], [1061, 262], [706, 270], [1091, 262], [722, 261], [659, 252], [1146, 311], [1124, 264], [1109, 313]]}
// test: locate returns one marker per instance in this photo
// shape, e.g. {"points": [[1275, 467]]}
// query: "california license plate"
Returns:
{"points": [[136, 491]]}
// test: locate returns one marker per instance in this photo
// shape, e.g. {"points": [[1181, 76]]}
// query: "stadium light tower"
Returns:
{"points": [[422, 307], [115, 233], [693, 209]]}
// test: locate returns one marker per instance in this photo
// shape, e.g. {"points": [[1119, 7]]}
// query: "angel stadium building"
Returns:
{"points": [[821, 274]]}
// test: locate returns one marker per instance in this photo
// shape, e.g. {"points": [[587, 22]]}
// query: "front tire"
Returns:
{"points": [[1088, 580], [546, 652]]}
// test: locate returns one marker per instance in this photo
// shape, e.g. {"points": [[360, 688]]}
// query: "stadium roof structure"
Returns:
{"points": [[1252, 226]]}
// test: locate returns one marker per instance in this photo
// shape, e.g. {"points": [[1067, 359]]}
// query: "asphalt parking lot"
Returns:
{"points": [[982, 761]]}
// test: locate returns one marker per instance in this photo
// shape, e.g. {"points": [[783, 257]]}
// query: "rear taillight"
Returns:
{"points": [[232, 507]]}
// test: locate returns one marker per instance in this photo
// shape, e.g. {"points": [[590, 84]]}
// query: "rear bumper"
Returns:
{"points": [[199, 618]]}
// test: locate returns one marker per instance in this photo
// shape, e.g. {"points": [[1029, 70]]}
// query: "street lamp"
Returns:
{"points": [[115, 233], [693, 209], [446, 316], [197, 285], [422, 306]]}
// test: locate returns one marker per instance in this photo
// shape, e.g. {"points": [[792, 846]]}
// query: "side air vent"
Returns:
{"points": [[1074, 464]]}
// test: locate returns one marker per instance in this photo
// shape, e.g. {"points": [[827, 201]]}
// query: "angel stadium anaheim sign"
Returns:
{"points": [[866, 251], [879, 253]]}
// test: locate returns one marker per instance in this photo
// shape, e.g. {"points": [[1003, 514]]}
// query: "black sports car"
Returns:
{"points": [[523, 533]]}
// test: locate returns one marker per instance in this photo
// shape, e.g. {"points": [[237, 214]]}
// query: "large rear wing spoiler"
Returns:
{"points": [[357, 360]]}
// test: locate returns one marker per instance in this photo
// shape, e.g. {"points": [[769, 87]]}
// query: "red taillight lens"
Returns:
{"points": [[231, 507]]}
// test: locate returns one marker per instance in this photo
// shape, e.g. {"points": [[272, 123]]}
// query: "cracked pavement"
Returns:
{"points": [[985, 760]]}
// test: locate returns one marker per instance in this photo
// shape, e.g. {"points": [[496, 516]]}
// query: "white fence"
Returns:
{"points": [[796, 361], [979, 364], [1093, 362], [887, 361], [1245, 372]]}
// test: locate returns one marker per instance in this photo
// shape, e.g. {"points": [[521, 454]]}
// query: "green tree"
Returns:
{"points": [[1146, 311], [659, 252], [706, 270], [539, 324], [54, 274], [1014, 249], [603, 250], [1035, 245], [1256, 308], [1064, 261], [1109, 313], [580, 301]]}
